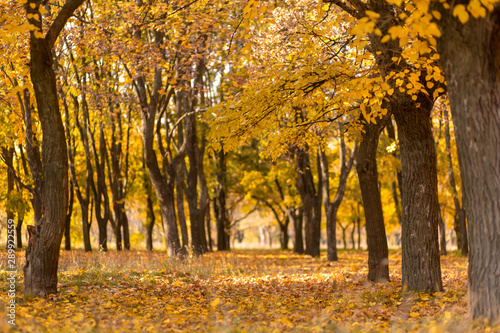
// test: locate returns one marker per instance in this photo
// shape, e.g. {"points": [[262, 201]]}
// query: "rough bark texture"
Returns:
{"points": [[42, 254], [376, 239], [473, 83], [420, 246]]}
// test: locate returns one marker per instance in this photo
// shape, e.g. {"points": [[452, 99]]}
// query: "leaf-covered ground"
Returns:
{"points": [[254, 291]]}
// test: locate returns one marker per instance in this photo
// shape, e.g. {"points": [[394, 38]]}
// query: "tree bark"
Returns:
{"points": [[67, 228], [42, 254], [8, 156], [296, 216], [220, 211], [442, 235], [474, 93], [376, 238], [420, 245], [309, 197]]}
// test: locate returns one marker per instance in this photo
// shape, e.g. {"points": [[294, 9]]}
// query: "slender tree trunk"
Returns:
{"points": [[344, 238], [8, 156], [42, 254], [296, 216], [180, 188], [284, 233], [220, 212], [150, 215], [460, 224], [376, 238], [67, 228], [204, 198], [474, 93], [442, 235]]}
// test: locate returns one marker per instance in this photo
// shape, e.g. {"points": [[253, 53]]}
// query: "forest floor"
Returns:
{"points": [[242, 291]]}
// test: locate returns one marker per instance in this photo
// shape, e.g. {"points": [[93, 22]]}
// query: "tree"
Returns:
{"points": [[474, 97], [42, 254], [331, 207], [366, 166]]}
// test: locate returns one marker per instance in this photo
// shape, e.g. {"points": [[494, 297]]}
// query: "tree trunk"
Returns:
{"points": [[344, 238], [42, 254], [67, 228], [442, 235], [420, 245], [309, 197], [295, 215], [474, 94], [376, 238], [204, 198], [331, 208], [150, 215], [180, 188], [220, 211], [284, 233], [8, 156]]}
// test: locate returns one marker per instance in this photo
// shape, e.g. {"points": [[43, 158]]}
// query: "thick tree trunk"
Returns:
{"points": [[366, 166], [42, 254], [474, 93], [420, 245]]}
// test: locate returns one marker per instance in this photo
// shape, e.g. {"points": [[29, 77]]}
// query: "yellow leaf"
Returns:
{"points": [[436, 14], [395, 2], [414, 314], [372, 15], [215, 302], [461, 12], [430, 84], [285, 321], [385, 39]]}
